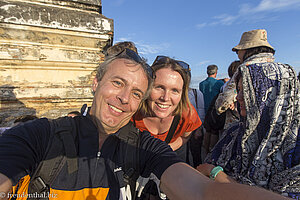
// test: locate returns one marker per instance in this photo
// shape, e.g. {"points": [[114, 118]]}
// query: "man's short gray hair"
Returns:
{"points": [[102, 68]]}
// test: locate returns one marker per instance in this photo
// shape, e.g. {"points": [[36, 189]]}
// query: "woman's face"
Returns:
{"points": [[166, 93], [240, 98]]}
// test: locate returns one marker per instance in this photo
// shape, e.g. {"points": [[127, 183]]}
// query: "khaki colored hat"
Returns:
{"points": [[254, 38]]}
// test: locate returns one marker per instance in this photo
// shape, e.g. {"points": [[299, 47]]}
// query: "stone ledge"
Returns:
{"points": [[52, 16]]}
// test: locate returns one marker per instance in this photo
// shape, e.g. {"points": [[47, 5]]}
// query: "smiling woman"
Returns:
{"points": [[169, 98], [167, 113]]}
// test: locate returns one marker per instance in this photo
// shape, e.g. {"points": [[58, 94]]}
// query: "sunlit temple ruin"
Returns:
{"points": [[49, 50]]}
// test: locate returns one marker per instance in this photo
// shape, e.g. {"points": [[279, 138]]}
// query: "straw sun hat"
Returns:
{"points": [[254, 38]]}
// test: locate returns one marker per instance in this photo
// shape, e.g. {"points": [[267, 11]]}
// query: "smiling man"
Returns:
{"points": [[118, 94], [94, 152]]}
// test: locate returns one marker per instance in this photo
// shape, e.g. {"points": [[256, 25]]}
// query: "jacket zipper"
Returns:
{"points": [[97, 159]]}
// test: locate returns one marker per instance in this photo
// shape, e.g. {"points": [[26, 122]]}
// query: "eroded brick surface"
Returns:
{"points": [[49, 50]]}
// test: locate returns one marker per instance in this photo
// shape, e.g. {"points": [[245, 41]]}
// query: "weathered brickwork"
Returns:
{"points": [[49, 50]]}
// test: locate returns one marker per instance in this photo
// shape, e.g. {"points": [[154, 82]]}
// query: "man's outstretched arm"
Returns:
{"points": [[181, 181], [5, 186]]}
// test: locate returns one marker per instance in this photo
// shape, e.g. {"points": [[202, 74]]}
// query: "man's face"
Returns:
{"points": [[118, 94]]}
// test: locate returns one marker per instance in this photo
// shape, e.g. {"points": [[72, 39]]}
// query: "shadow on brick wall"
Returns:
{"points": [[10, 107]]}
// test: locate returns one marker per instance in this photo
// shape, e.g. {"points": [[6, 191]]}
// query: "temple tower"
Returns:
{"points": [[49, 50]]}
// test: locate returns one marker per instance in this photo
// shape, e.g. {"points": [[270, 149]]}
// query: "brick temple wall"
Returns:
{"points": [[49, 50]]}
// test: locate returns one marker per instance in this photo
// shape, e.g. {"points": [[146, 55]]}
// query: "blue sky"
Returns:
{"points": [[204, 32]]}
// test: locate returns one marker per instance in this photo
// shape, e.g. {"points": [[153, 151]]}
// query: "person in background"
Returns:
{"points": [[118, 47], [73, 114], [210, 87], [252, 48], [230, 117], [19, 120], [264, 148], [24, 118], [232, 114], [215, 122], [197, 100], [231, 70]]}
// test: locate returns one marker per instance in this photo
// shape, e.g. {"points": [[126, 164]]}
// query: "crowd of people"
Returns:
{"points": [[148, 135]]}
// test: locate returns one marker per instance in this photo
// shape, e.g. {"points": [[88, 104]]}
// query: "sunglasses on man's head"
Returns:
{"points": [[184, 65], [131, 55]]}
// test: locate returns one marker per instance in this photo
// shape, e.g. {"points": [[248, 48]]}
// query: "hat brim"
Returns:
{"points": [[251, 45]]}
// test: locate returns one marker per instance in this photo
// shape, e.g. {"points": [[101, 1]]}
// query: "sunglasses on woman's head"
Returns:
{"points": [[184, 65]]}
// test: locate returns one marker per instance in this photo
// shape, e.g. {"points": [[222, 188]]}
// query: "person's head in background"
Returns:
{"points": [[169, 95], [120, 46], [212, 71], [253, 42], [233, 67], [24, 118], [73, 114]]}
